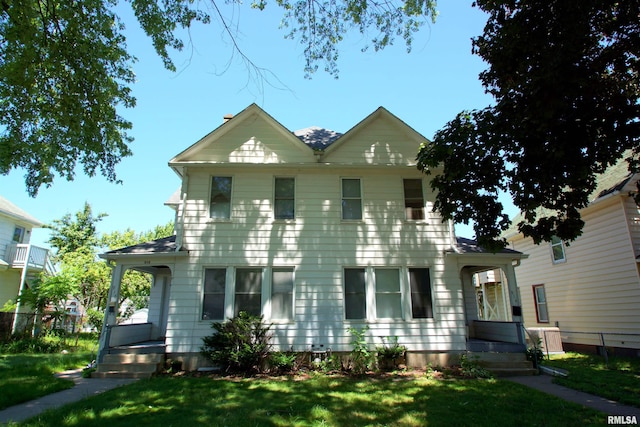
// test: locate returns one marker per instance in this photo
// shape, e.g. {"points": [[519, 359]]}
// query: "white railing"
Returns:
{"points": [[38, 257]]}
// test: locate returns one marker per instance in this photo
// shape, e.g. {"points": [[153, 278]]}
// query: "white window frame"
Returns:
{"points": [[537, 303], [399, 293], [408, 200], [20, 233], [554, 244], [230, 215], [344, 198], [275, 198]]}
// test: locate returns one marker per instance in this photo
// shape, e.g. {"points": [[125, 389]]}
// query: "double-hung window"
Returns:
{"points": [[220, 201], [420, 284], [282, 293], [557, 250], [413, 199], [248, 292], [18, 234], [284, 198], [355, 296], [388, 294], [351, 199], [214, 293], [540, 301]]}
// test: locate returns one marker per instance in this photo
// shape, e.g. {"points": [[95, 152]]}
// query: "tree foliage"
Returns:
{"points": [[566, 80], [65, 72], [72, 233]]}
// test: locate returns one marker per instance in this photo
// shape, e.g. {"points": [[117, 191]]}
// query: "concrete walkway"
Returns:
{"points": [[545, 383], [84, 387]]}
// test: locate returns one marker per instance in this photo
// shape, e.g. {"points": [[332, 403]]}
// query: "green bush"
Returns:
{"points": [[390, 352], [362, 358], [282, 362], [239, 345], [471, 369]]}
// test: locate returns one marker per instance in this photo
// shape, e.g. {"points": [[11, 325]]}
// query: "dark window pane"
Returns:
{"points": [[354, 290], [421, 304], [413, 199], [220, 206], [214, 294]]}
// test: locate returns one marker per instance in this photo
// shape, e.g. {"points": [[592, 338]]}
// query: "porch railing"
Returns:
{"points": [[510, 332], [38, 257]]}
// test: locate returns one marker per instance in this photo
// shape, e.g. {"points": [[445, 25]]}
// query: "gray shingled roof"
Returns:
{"points": [[468, 246], [316, 137], [8, 208], [159, 246]]}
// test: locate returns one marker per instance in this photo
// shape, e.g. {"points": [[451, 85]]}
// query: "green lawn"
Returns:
{"points": [[320, 401], [618, 380], [25, 377]]}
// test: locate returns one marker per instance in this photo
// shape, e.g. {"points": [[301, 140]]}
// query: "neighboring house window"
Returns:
{"points": [[354, 293], [18, 234], [248, 292], [388, 296], [540, 300], [220, 207], [413, 199], [214, 293], [557, 249], [284, 198], [420, 284], [282, 293], [351, 199]]}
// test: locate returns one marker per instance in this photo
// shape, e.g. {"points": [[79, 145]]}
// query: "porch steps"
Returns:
{"points": [[130, 365], [504, 364]]}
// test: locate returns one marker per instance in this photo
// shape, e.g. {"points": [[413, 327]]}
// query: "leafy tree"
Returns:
{"points": [[566, 80], [65, 70], [70, 234]]}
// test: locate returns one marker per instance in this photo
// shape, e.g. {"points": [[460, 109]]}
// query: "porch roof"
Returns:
{"points": [[164, 246], [468, 246]]}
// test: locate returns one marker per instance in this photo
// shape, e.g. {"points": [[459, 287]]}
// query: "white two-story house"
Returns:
{"points": [[20, 262], [318, 232]]}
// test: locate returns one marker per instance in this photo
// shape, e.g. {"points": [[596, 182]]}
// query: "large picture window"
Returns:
{"points": [[355, 293], [214, 294], [421, 303], [284, 198], [388, 296], [540, 301], [413, 199], [220, 202], [282, 293], [351, 198], [248, 294]]}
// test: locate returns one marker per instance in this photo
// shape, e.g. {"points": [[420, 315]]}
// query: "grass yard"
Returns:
{"points": [[619, 381], [25, 377], [320, 401]]}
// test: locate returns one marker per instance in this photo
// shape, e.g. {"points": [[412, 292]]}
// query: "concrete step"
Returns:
{"points": [[134, 358], [497, 357], [503, 364], [119, 374], [128, 367], [512, 372], [525, 364]]}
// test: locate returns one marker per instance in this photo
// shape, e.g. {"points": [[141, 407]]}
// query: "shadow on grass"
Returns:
{"points": [[320, 401]]}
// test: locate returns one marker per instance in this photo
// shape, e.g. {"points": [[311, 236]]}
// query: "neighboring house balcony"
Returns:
{"points": [[31, 257]]}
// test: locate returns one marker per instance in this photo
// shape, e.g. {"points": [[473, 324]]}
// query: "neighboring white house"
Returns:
{"points": [[20, 261], [589, 288], [318, 232]]}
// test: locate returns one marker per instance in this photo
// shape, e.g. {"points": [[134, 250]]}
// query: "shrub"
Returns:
{"points": [[471, 369], [361, 357], [390, 352], [282, 362], [239, 345]]}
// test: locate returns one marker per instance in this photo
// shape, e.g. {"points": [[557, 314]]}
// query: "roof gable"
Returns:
{"points": [[381, 138], [252, 136], [9, 209]]}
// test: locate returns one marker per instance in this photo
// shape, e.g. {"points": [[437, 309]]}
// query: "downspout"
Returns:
{"points": [[23, 281], [183, 206]]}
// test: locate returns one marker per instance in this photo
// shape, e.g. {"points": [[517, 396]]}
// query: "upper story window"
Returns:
{"points": [[18, 234], [220, 204], [557, 250], [284, 202], [413, 199], [351, 198]]}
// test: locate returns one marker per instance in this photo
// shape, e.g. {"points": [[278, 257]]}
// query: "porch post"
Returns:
{"points": [[23, 281], [111, 311], [514, 293]]}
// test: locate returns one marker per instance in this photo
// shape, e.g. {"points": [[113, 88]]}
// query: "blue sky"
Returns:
{"points": [[425, 88]]}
